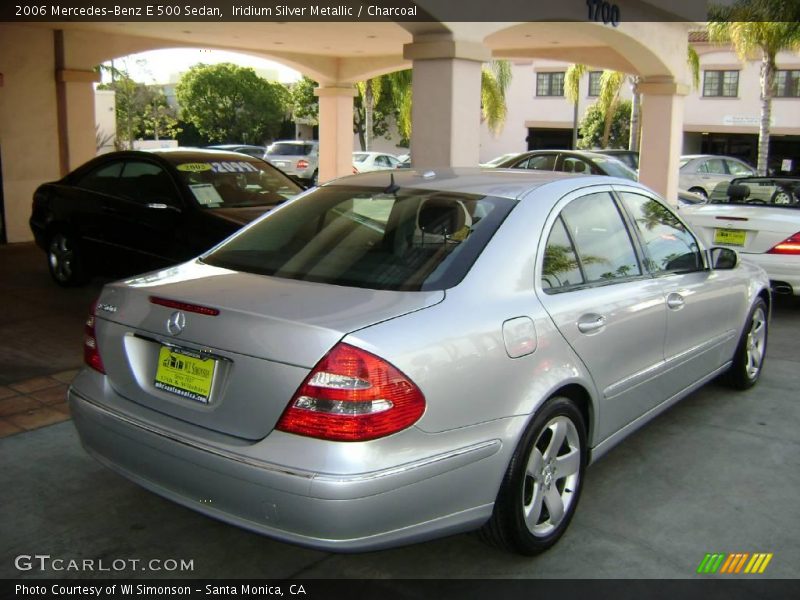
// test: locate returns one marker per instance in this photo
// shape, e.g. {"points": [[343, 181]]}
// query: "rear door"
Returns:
{"points": [[604, 303]]}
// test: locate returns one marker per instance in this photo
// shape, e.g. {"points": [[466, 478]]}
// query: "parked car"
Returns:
{"points": [[390, 358], [126, 212], [364, 162], [760, 218], [498, 160], [256, 151], [700, 173], [299, 158], [570, 161], [629, 157]]}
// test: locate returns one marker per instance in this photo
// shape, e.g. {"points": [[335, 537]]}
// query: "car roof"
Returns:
{"points": [[503, 183]]}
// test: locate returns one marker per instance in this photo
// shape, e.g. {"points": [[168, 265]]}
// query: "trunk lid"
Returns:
{"points": [[763, 227], [266, 336]]}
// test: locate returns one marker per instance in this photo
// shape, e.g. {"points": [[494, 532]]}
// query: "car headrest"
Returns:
{"points": [[441, 216], [738, 192]]}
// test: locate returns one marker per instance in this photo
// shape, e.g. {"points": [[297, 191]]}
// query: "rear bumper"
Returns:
{"points": [[416, 498], [781, 269]]}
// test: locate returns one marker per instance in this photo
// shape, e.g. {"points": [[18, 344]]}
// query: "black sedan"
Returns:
{"points": [[570, 161], [126, 212]]}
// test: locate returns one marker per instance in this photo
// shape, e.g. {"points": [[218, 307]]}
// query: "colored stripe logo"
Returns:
{"points": [[735, 563]]}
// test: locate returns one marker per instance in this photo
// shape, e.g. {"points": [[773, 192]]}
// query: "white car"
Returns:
{"points": [[760, 218], [363, 162]]}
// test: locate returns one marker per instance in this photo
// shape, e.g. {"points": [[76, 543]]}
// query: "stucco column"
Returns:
{"points": [[79, 110], [335, 131], [445, 114], [662, 136]]}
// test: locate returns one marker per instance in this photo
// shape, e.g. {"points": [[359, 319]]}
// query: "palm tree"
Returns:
{"points": [[572, 86], [370, 92], [758, 28], [610, 85]]}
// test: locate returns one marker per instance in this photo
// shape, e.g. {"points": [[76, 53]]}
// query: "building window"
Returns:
{"points": [[550, 84], [721, 83], [787, 84], [594, 83]]}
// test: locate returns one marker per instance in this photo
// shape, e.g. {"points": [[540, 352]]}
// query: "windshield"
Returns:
{"points": [[364, 237], [616, 168], [360, 157], [236, 183], [290, 149]]}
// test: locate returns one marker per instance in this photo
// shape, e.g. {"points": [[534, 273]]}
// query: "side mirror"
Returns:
{"points": [[723, 258]]}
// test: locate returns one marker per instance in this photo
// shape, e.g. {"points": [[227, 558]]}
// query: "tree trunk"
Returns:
{"points": [[575, 125], [369, 101], [609, 117], [767, 81], [636, 109]]}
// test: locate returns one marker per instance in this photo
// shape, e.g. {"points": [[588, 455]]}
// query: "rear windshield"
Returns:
{"points": [[782, 192], [290, 149], [365, 237], [616, 168]]}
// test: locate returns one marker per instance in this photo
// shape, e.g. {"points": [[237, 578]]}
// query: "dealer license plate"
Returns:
{"points": [[730, 237], [185, 374]]}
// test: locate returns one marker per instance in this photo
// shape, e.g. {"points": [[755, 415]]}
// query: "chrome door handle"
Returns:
{"points": [[675, 301], [590, 323]]}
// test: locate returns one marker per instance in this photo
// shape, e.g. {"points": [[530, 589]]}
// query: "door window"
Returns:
{"points": [[600, 248], [146, 182], [542, 162], [668, 245], [103, 179], [738, 169]]}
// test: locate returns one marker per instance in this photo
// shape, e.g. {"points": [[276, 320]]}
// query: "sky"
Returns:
{"points": [[158, 66]]}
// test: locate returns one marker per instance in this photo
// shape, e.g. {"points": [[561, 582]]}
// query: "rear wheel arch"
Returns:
{"points": [[583, 401]]}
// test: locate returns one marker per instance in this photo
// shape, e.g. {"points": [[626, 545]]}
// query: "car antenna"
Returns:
{"points": [[393, 187]]}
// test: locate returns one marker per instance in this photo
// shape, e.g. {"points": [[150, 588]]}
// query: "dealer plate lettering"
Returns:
{"points": [[184, 375], [730, 237]]}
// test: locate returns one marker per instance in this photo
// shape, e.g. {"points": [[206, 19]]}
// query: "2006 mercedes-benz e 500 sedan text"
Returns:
{"points": [[393, 357]]}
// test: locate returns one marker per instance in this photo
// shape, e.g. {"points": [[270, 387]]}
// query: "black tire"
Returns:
{"points": [[530, 480], [315, 178], [748, 361], [64, 260]]}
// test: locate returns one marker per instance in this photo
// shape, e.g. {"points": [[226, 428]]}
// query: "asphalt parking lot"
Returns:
{"points": [[718, 473]]}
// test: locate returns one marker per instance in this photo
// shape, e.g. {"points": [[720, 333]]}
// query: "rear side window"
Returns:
{"points": [[604, 248], [365, 237], [561, 267]]}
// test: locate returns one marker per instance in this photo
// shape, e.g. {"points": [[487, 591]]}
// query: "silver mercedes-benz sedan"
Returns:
{"points": [[393, 357]]}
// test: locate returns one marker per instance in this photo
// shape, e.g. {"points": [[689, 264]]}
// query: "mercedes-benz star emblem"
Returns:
{"points": [[176, 323]]}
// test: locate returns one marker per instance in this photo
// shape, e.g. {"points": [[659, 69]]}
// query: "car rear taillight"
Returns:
{"points": [[355, 171], [352, 395], [302, 164], [91, 353], [790, 245]]}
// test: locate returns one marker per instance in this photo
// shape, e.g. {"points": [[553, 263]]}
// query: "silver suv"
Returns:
{"points": [[299, 158]]}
